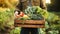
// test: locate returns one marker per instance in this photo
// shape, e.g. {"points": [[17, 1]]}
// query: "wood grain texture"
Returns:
{"points": [[30, 23]]}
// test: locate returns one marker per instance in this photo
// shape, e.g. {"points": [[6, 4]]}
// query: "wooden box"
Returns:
{"points": [[30, 23]]}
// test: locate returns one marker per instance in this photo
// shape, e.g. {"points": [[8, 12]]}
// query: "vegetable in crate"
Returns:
{"points": [[21, 16], [32, 13], [36, 17]]}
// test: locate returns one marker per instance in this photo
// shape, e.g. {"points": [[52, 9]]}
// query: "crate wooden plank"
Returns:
{"points": [[30, 26], [30, 21]]}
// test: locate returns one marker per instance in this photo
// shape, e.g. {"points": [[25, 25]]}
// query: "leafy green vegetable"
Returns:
{"points": [[32, 13], [6, 17]]}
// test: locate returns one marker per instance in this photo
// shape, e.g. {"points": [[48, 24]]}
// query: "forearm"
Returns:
{"points": [[43, 4]]}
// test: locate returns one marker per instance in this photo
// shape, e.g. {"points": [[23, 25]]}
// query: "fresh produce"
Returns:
{"points": [[26, 17], [6, 17], [21, 14], [52, 17], [35, 13], [32, 13], [15, 31]]}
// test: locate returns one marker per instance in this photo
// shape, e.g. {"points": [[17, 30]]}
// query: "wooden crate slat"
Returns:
{"points": [[30, 26], [30, 21]]}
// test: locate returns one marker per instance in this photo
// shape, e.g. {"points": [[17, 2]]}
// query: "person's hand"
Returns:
{"points": [[16, 14]]}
